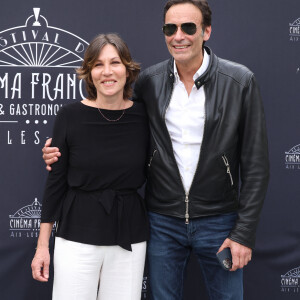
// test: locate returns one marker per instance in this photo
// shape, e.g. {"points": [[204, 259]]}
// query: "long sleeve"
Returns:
{"points": [[254, 166], [56, 185]]}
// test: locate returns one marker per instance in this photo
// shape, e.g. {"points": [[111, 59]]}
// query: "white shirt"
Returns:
{"points": [[185, 118]]}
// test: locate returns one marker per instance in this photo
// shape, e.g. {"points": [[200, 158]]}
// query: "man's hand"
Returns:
{"points": [[241, 255], [50, 154], [40, 265]]}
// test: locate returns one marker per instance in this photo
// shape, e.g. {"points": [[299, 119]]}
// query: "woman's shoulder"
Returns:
{"points": [[68, 112], [70, 108], [139, 106], [139, 110]]}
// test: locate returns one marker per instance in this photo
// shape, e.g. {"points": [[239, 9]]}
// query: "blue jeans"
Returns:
{"points": [[170, 245]]}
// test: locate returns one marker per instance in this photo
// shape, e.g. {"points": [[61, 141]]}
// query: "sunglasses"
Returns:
{"points": [[188, 28]]}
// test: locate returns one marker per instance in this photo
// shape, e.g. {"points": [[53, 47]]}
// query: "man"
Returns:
{"points": [[209, 169]]}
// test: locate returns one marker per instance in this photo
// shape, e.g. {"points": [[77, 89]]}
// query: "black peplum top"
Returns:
{"points": [[92, 189]]}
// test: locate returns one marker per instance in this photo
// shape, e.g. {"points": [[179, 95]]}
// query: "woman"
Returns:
{"points": [[92, 190]]}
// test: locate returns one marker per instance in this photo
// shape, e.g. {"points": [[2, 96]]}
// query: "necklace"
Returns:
{"points": [[110, 120]]}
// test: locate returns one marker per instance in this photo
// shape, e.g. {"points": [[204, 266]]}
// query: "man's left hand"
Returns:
{"points": [[241, 255]]}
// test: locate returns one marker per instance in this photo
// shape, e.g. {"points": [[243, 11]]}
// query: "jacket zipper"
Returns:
{"points": [[187, 216], [150, 161], [187, 222], [228, 168]]}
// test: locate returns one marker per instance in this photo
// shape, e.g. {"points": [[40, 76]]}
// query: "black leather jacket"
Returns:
{"points": [[233, 168]]}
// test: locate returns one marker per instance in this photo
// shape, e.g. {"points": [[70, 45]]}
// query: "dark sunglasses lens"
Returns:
{"points": [[169, 29], [189, 28]]}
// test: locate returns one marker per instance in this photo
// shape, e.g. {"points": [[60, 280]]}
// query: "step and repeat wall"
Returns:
{"points": [[41, 44]]}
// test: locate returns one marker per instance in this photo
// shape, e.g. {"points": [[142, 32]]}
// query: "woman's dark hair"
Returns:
{"points": [[92, 54], [201, 4]]}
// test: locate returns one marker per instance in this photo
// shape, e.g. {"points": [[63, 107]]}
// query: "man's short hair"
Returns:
{"points": [[201, 4]]}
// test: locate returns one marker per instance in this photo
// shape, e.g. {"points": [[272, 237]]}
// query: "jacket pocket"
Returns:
{"points": [[227, 165], [151, 158]]}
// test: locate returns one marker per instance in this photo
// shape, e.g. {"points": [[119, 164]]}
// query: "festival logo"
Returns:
{"points": [[292, 158], [25, 223], [295, 31], [290, 282], [37, 77]]}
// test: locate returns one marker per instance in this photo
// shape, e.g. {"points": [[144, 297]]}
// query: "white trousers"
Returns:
{"points": [[88, 272]]}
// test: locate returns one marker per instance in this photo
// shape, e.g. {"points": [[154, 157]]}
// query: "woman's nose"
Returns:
{"points": [[107, 69]]}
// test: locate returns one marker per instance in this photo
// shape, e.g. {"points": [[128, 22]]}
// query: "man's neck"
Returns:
{"points": [[187, 70]]}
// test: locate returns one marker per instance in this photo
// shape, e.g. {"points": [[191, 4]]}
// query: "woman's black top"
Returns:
{"points": [[92, 189]]}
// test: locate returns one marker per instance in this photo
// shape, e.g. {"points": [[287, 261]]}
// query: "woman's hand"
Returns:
{"points": [[40, 264]]}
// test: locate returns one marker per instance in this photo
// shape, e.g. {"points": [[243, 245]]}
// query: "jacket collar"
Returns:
{"points": [[206, 76]]}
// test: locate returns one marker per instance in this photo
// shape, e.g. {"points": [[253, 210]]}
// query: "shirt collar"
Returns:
{"points": [[200, 71]]}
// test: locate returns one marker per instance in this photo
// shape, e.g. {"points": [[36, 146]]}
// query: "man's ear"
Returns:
{"points": [[206, 33]]}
